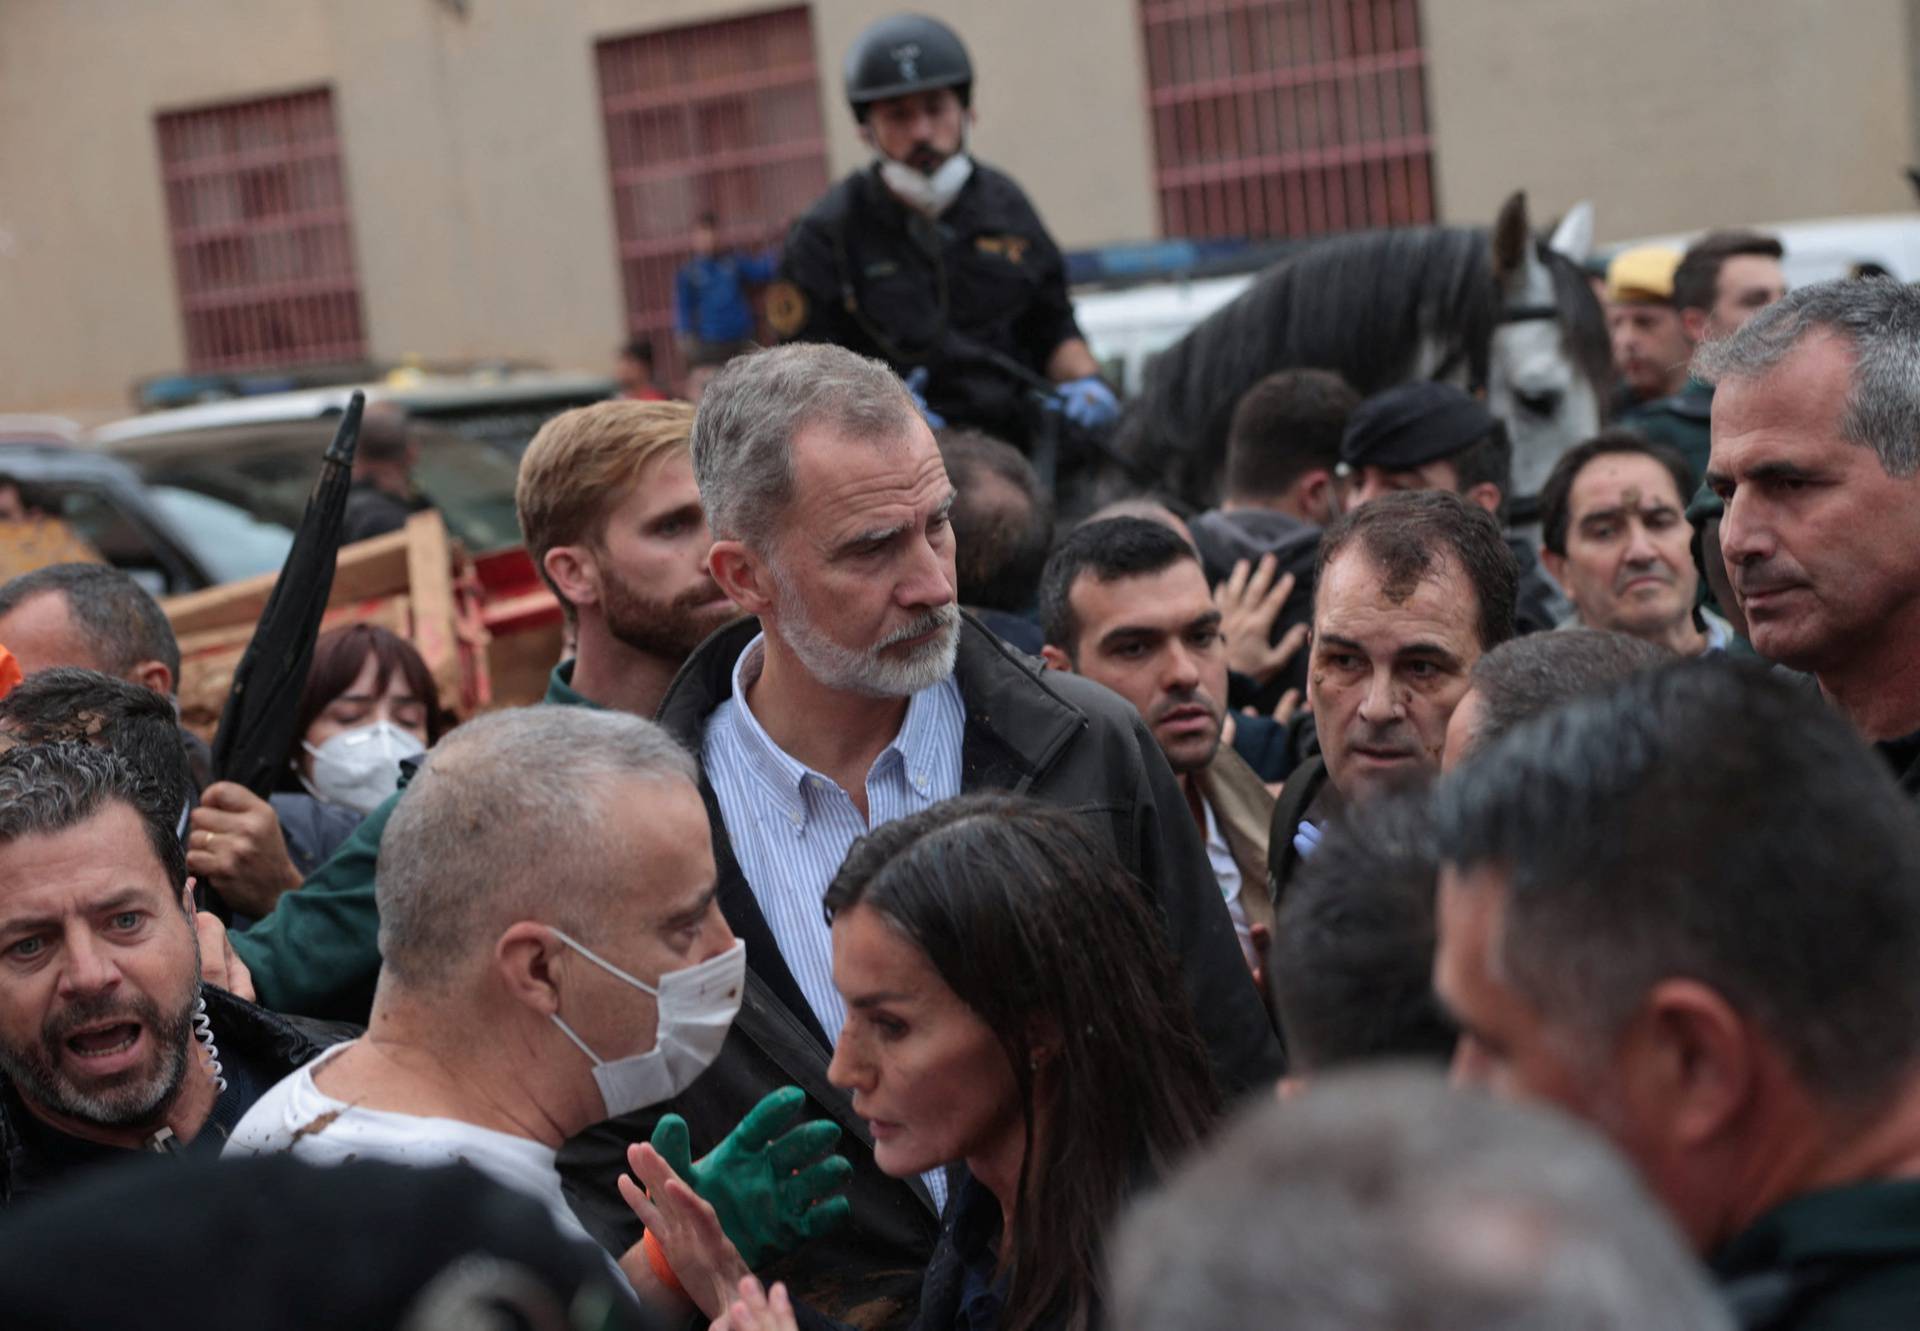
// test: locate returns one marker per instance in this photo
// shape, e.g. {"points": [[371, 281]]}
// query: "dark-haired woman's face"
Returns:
{"points": [[361, 705], [928, 1075]]}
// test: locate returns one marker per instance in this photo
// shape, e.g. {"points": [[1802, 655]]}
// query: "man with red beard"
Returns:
{"points": [[613, 521], [100, 988]]}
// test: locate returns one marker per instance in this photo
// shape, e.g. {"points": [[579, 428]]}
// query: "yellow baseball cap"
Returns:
{"points": [[1642, 274]]}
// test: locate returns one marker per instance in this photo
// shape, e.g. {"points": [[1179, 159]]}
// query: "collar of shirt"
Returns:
{"points": [[784, 777]]}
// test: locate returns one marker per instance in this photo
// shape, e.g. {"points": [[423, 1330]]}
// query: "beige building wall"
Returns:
{"points": [[1671, 116], [475, 160]]}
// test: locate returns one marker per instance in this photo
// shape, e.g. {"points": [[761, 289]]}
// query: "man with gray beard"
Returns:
{"points": [[862, 695], [100, 982]]}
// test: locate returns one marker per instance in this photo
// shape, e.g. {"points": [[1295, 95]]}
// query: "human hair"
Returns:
{"points": [[1488, 460], [580, 466], [756, 407], [1407, 535], [122, 625], [48, 788], [1351, 963], [385, 432], [1109, 549], [1002, 523], [1030, 919], [68, 704], [1527, 676], [1879, 322], [637, 348], [1382, 1199], [340, 655], [1715, 822], [1286, 425], [1696, 281], [34, 497], [1556, 493], [509, 819]]}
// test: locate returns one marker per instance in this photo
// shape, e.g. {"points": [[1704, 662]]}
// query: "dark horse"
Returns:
{"points": [[1503, 313]]}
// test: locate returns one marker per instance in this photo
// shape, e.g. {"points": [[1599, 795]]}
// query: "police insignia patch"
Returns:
{"points": [[786, 308]]}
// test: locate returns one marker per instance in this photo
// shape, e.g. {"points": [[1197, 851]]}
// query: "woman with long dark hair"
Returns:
{"points": [[1012, 1008]]}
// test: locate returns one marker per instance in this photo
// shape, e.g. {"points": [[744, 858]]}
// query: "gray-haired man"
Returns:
{"points": [[1816, 454], [862, 695], [552, 955]]}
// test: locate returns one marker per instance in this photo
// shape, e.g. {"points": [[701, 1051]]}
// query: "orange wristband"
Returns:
{"points": [[662, 1268]]}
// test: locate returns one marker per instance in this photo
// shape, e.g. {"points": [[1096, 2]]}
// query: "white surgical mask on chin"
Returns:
{"points": [[930, 194], [360, 768], [696, 1008]]}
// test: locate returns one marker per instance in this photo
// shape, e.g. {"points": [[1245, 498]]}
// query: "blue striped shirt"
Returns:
{"points": [[792, 826]]}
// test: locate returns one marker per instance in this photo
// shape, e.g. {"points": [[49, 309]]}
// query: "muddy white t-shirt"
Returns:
{"points": [[295, 1118]]}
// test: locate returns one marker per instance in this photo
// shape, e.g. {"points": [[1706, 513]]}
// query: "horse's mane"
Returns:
{"points": [[1361, 305], [1583, 324]]}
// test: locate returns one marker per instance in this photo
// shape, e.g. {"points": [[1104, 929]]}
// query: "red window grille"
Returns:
{"points": [[1288, 118], [262, 240], [719, 117]]}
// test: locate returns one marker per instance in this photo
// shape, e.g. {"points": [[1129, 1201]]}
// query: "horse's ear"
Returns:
{"points": [[1510, 237], [1573, 238]]}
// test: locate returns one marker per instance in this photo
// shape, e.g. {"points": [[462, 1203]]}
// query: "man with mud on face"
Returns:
{"points": [[1411, 590]]}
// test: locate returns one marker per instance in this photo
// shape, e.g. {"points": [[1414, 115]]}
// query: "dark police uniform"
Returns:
{"points": [[1844, 1259], [983, 279]]}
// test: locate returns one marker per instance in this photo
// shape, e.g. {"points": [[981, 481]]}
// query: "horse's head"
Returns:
{"points": [[1548, 365]]}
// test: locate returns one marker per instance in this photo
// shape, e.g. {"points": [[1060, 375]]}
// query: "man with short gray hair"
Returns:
{"points": [[863, 695], [1382, 1201], [1686, 910], [1816, 455], [552, 956]]}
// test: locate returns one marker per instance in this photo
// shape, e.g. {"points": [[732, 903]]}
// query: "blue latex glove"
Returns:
{"points": [[917, 387], [1088, 402]]}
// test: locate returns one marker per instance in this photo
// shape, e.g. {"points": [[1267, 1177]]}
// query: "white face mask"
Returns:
{"points": [[929, 194], [360, 768], [696, 1008]]}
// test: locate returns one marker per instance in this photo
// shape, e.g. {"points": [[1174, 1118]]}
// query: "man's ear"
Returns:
{"points": [[1312, 494], [575, 571], [1556, 567], [1056, 659], [523, 957], [1694, 320], [1689, 1062], [743, 576], [1486, 494], [153, 675]]}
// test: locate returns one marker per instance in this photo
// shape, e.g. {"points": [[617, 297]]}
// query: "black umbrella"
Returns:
{"points": [[257, 724]]}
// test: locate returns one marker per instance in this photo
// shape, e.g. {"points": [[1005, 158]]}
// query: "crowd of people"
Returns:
{"points": [[1357, 904]]}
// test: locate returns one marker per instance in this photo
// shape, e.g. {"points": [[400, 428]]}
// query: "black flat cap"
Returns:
{"points": [[1411, 425]]}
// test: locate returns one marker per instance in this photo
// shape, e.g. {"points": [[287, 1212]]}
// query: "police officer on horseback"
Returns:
{"points": [[936, 263]]}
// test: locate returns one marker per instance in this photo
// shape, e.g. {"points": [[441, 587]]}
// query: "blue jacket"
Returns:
{"points": [[708, 297]]}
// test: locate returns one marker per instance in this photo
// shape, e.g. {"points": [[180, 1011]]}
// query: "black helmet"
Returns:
{"points": [[905, 54]]}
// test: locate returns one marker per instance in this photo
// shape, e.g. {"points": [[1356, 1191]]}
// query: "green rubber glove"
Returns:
{"points": [[773, 1184]]}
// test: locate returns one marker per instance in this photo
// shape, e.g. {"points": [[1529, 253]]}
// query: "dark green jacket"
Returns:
{"points": [[1680, 421], [318, 953], [1845, 1259]]}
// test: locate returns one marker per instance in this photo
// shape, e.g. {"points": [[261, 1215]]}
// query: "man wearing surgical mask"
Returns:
{"points": [[932, 261], [535, 983]]}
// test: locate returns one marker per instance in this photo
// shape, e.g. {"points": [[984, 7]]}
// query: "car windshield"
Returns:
{"points": [[239, 498]]}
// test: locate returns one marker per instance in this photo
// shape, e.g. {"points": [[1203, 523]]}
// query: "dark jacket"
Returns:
{"points": [[1048, 734], [373, 512], [1681, 421], [1307, 791], [1539, 604], [985, 280], [1903, 757], [312, 829], [257, 1048], [1843, 1259]]}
